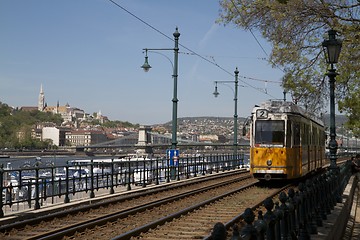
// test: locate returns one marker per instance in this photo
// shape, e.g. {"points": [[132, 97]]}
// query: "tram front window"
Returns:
{"points": [[269, 132]]}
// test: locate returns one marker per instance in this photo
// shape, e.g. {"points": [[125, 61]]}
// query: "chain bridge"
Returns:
{"points": [[147, 142]]}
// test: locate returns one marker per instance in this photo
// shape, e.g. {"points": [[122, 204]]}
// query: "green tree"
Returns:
{"points": [[296, 30], [353, 113], [5, 110], [114, 124], [14, 121]]}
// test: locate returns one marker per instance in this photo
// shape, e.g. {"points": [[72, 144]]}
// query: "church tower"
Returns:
{"points": [[41, 103]]}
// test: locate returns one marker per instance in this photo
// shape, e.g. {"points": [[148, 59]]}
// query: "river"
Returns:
{"points": [[14, 162]]}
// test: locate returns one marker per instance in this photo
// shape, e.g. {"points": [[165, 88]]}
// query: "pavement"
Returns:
{"points": [[344, 221], [352, 230]]}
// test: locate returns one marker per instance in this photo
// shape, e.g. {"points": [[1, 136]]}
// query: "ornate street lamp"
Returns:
{"points": [[146, 66], [284, 93], [216, 94], [332, 48]]}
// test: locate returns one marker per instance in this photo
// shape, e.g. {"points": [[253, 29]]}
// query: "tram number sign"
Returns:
{"points": [[173, 156], [261, 113]]}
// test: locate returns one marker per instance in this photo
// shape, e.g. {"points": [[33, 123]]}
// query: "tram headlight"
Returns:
{"points": [[269, 162]]}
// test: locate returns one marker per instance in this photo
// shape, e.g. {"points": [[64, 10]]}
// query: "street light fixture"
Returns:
{"points": [[284, 93], [146, 66], [216, 94], [332, 48]]}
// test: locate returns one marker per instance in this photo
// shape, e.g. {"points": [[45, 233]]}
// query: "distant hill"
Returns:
{"points": [[339, 120], [193, 120]]}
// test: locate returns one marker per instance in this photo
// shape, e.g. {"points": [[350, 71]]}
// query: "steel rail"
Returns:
{"points": [[139, 230]]}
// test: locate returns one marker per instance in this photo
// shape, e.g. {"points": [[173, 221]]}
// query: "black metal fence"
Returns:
{"points": [[33, 185]]}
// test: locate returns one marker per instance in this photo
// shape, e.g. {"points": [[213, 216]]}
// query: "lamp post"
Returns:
{"points": [[347, 141], [332, 48], [146, 66], [216, 94], [342, 136], [356, 147]]}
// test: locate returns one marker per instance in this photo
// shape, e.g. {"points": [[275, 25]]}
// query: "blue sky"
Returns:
{"points": [[88, 53]]}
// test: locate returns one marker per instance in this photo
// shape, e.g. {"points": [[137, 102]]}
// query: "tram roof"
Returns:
{"points": [[279, 106]]}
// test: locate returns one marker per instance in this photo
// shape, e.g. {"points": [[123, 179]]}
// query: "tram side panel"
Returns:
{"points": [[295, 155]]}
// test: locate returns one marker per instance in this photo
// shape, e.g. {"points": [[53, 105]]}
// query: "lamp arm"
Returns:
{"points": [[172, 65], [226, 83]]}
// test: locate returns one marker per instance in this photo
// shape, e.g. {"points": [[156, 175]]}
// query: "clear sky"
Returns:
{"points": [[88, 53]]}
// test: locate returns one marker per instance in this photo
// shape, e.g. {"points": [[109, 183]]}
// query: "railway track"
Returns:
{"points": [[127, 225], [69, 221], [184, 217], [199, 221]]}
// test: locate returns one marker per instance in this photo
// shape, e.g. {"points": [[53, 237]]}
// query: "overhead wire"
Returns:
{"points": [[217, 65], [251, 78], [193, 52], [252, 33], [144, 22]]}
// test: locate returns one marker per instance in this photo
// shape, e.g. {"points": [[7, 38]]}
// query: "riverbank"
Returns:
{"points": [[5, 154]]}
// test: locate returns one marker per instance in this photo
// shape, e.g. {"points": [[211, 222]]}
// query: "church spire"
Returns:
{"points": [[41, 102]]}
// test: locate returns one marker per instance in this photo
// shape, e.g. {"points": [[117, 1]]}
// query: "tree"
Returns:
{"points": [[353, 122], [16, 125], [116, 123], [296, 30]]}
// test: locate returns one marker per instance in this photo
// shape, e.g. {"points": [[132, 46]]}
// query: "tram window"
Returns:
{"points": [[305, 136], [296, 132], [316, 137], [269, 132], [288, 134]]}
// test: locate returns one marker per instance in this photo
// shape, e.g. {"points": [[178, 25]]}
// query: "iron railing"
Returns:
{"points": [[34, 186]]}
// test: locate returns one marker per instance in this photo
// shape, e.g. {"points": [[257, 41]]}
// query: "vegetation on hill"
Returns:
{"points": [[119, 124], [16, 127], [14, 122]]}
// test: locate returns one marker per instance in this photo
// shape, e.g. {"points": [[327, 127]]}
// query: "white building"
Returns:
{"points": [[56, 134], [51, 133]]}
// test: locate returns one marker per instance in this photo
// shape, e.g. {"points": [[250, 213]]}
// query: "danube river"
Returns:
{"points": [[61, 160], [16, 162]]}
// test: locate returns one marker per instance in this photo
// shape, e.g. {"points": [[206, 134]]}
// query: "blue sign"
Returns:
{"points": [[173, 155]]}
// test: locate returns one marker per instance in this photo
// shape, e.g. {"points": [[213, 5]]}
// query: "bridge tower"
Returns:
{"points": [[144, 142]]}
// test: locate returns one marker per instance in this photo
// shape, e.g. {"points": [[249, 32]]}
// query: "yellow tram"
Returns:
{"points": [[285, 141]]}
